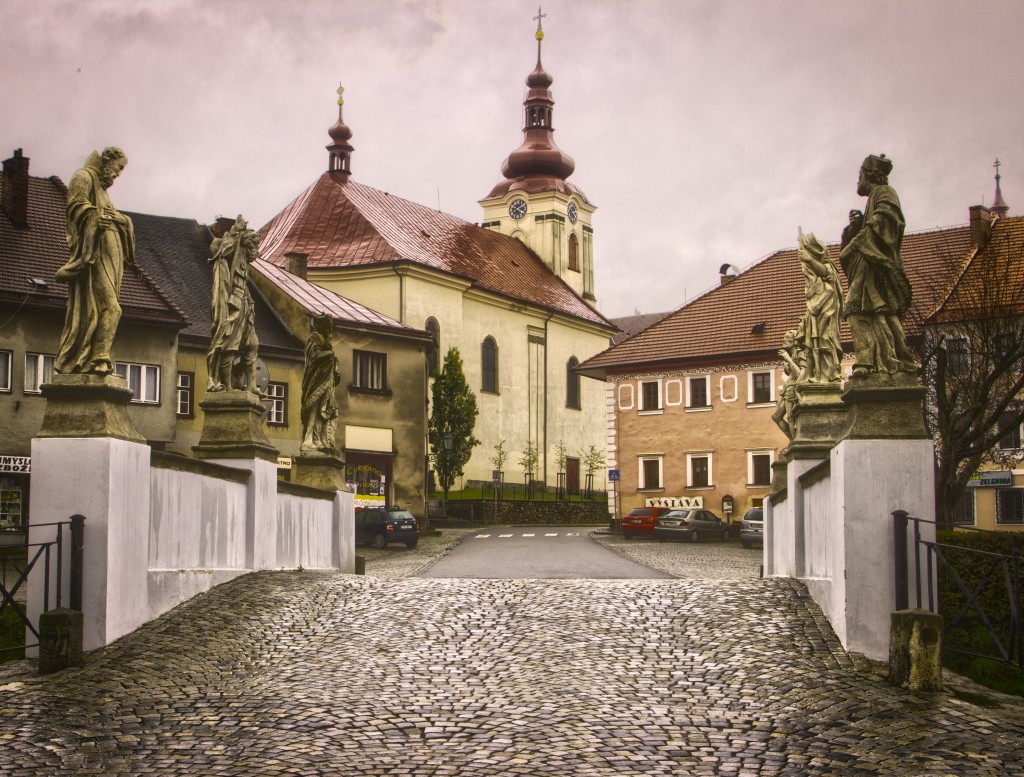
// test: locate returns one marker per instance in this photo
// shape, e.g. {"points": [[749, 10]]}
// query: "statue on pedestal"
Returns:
{"points": [[231, 360], [100, 242], [795, 370], [319, 379], [879, 293], [819, 327]]}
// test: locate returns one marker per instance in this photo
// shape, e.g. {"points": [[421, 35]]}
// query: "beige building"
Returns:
{"points": [[512, 296]]}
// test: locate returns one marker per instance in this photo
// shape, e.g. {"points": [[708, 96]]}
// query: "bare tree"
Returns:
{"points": [[972, 351]]}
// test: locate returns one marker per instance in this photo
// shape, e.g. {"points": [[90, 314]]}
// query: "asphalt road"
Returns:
{"points": [[537, 553]]}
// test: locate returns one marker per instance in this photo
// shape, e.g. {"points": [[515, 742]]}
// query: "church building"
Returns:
{"points": [[514, 295]]}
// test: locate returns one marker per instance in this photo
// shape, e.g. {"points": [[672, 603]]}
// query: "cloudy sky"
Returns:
{"points": [[705, 132]]}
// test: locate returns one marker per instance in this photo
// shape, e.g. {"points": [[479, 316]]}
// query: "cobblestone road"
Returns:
{"points": [[308, 674]]}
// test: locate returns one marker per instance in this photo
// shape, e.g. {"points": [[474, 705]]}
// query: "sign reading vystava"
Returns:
{"points": [[675, 502]]}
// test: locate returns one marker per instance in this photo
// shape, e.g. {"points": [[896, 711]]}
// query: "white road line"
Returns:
{"points": [[572, 534], [529, 535], [553, 534], [502, 536], [482, 536]]}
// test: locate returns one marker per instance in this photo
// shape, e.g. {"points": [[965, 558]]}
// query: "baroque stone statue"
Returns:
{"points": [[879, 293], [231, 360], [819, 328], [319, 404], [100, 242], [794, 367]]}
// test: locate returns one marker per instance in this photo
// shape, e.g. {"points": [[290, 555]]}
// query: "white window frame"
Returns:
{"points": [[186, 391], [6, 364], [277, 393], [149, 381], [709, 455], [707, 394], [751, 453], [660, 459], [734, 394], [38, 366], [750, 388], [640, 394]]}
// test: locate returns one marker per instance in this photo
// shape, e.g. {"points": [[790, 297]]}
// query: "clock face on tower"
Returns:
{"points": [[573, 213], [517, 209]]}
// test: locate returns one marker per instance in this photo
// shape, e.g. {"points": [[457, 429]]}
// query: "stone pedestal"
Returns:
{"points": [[233, 428], [884, 408], [321, 470], [819, 419], [915, 650], [83, 405]]}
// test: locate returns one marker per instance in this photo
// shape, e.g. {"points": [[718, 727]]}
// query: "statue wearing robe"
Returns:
{"points": [[319, 405]]}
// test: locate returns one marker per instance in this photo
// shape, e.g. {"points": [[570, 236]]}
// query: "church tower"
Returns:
{"points": [[535, 203]]}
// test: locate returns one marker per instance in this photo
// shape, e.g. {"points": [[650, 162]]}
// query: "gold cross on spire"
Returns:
{"points": [[538, 18], [341, 91]]}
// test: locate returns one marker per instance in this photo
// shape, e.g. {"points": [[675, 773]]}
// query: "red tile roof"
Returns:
{"points": [[747, 317], [39, 250], [988, 282], [316, 299], [340, 223]]}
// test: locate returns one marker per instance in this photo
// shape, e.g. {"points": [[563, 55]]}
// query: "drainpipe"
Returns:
{"points": [[546, 397]]}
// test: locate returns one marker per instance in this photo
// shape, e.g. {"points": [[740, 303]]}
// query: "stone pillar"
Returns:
{"points": [[88, 458], [915, 650], [233, 435]]}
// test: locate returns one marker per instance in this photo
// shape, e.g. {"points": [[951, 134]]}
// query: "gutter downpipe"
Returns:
{"points": [[546, 320]]}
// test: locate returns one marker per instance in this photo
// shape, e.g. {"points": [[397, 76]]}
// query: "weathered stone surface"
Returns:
{"points": [[819, 419], [885, 408], [88, 405], [233, 428], [319, 470], [60, 640], [915, 650]]}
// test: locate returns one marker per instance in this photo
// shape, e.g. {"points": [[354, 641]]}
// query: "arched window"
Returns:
{"points": [[572, 383], [489, 365], [434, 349], [574, 253]]}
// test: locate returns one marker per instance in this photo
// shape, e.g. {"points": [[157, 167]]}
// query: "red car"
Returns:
{"points": [[641, 520]]}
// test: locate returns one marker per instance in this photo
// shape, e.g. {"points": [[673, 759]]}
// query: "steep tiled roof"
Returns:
{"points": [[631, 325], [747, 317], [176, 252], [41, 249], [340, 223], [316, 299], [988, 281]]}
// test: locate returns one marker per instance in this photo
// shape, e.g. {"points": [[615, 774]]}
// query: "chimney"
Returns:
{"points": [[296, 263], [981, 225], [14, 200]]}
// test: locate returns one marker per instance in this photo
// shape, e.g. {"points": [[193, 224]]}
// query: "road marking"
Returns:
{"points": [[482, 536], [572, 534], [504, 535], [553, 534], [529, 535]]}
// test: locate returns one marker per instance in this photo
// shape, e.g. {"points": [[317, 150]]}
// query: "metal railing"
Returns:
{"points": [[979, 604], [46, 558]]}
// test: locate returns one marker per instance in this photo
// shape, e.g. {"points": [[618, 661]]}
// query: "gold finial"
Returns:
{"points": [[538, 18], [341, 91]]}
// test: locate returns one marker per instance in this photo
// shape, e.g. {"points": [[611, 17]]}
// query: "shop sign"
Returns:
{"points": [[995, 479], [675, 502], [16, 464]]}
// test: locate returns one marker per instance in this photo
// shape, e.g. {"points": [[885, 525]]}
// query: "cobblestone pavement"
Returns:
{"points": [[702, 560], [299, 673]]}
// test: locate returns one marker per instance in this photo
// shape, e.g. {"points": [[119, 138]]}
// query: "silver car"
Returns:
{"points": [[692, 525], [752, 528]]}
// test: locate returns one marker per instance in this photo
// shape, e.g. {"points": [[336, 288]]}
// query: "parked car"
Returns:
{"points": [[692, 525], [377, 526], [641, 520], [752, 528]]}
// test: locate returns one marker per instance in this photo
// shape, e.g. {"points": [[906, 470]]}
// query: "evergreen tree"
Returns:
{"points": [[452, 419]]}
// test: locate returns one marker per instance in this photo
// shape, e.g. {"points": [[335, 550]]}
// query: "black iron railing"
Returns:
{"points": [[47, 558], [988, 597]]}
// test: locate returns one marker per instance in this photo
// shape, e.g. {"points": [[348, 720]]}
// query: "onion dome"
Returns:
{"points": [[339, 149]]}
